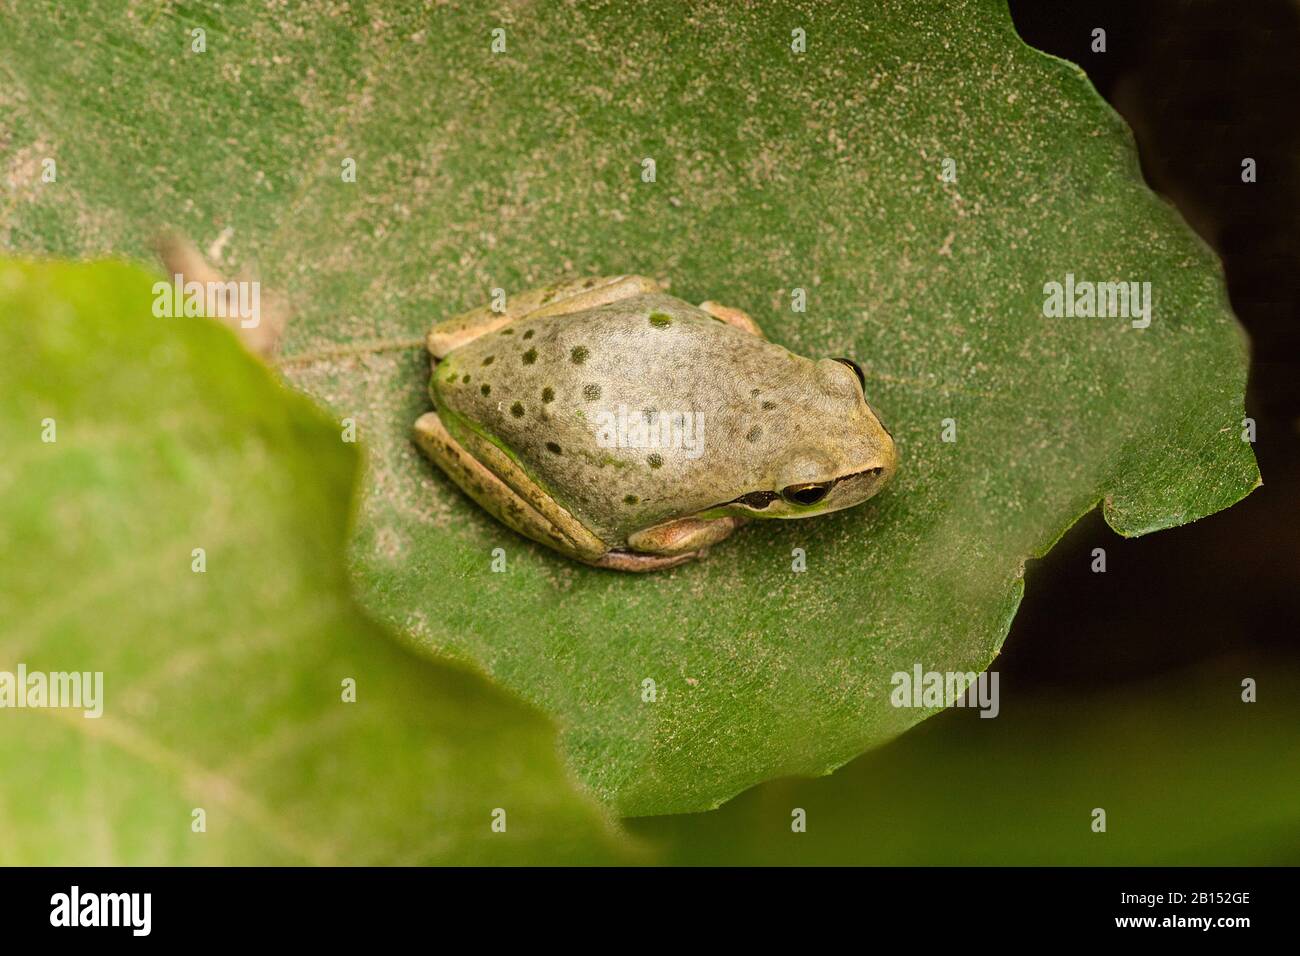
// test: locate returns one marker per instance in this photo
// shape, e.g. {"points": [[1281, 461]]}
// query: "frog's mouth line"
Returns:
{"points": [[759, 500]]}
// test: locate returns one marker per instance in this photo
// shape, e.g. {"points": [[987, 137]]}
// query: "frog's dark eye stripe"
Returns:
{"points": [[809, 493], [757, 500], [862, 379]]}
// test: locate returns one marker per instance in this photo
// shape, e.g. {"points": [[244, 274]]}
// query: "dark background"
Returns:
{"points": [[1203, 85]]}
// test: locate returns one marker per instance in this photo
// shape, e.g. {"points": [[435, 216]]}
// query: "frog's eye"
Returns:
{"points": [[862, 379], [806, 494]]}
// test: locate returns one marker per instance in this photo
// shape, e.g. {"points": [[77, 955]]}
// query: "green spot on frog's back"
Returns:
{"points": [[517, 409], [591, 392], [530, 356], [660, 319], [579, 354], [548, 394]]}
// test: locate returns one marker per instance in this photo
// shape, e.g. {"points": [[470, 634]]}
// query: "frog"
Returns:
{"points": [[632, 431]]}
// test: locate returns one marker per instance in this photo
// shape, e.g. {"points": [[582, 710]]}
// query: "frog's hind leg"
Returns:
{"points": [[510, 508], [737, 317], [558, 298], [578, 295], [501, 500]]}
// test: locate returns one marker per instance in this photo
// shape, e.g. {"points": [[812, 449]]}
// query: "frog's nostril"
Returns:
{"points": [[806, 494]]}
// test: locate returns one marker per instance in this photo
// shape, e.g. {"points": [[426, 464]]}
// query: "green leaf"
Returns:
{"points": [[775, 171], [222, 689], [1187, 774]]}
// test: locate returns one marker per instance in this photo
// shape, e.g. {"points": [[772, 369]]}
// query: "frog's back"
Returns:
{"points": [[622, 413]]}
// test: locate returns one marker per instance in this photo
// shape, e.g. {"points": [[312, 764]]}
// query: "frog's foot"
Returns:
{"points": [[737, 317], [559, 298], [535, 516]]}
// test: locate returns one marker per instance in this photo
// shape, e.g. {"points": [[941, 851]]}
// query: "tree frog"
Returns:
{"points": [[631, 430]]}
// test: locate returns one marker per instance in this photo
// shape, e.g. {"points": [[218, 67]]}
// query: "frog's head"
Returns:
{"points": [[838, 454]]}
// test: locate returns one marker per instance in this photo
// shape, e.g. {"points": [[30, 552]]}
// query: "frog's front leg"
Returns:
{"points": [[530, 511], [669, 544], [559, 298], [632, 561], [683, 535]]}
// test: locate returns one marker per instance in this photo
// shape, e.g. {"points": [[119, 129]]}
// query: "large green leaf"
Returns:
{"points": [[223, 689], [775, 170]]}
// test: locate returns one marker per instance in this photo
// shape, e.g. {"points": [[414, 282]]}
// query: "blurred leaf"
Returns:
{"points": [[222, 690], [775, 171], [1187, 773]]}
